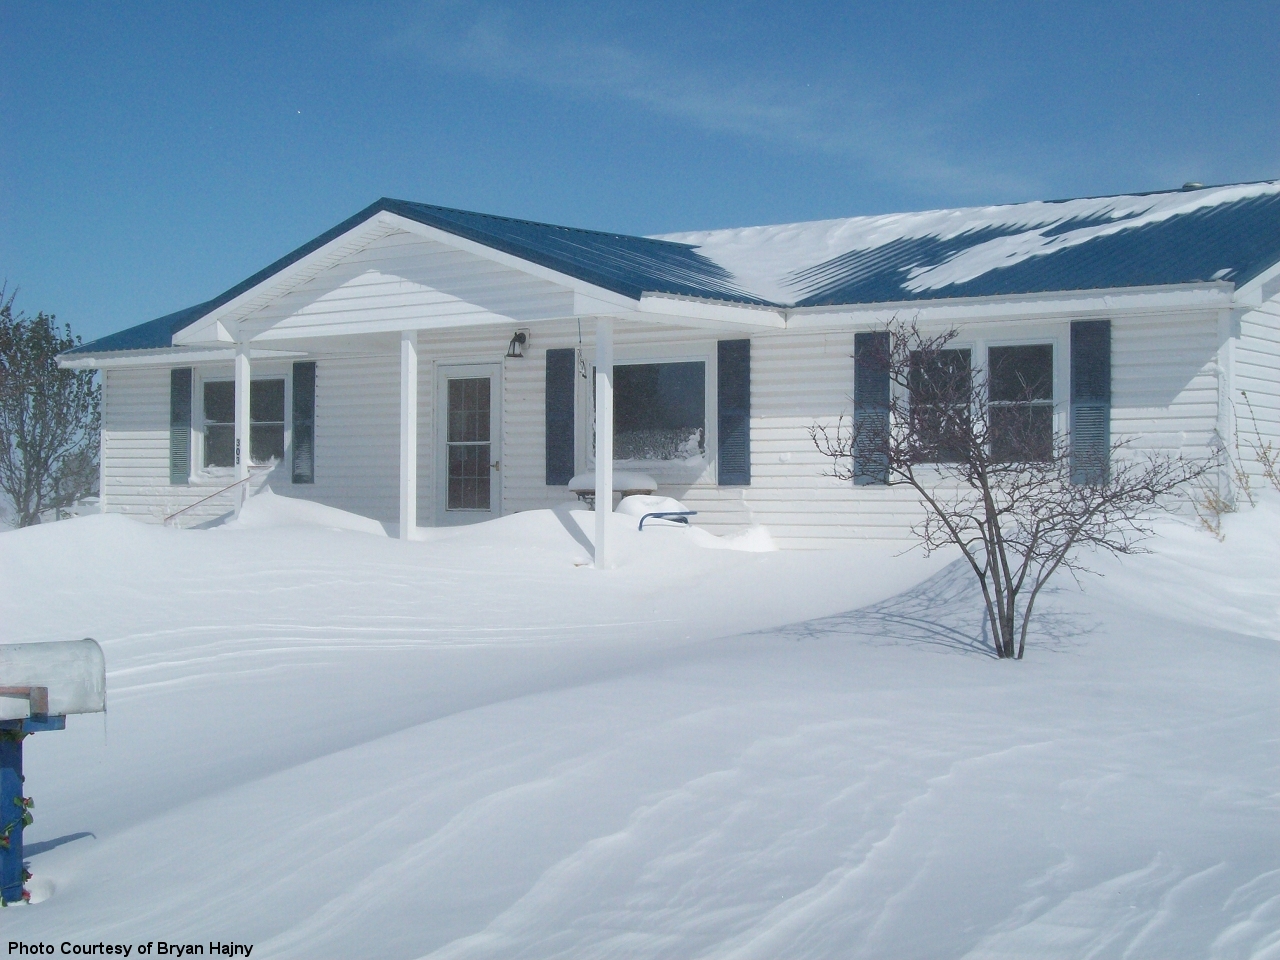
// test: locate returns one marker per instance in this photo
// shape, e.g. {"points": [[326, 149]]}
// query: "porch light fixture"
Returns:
{"points": [[515, 349]]}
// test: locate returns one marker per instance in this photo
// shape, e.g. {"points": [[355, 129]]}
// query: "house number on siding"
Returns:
{"points": [[237, 451]]}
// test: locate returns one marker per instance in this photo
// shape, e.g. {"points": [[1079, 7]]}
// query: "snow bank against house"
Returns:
{"points": [[1207, 583], [332, 745], [266, 509]]}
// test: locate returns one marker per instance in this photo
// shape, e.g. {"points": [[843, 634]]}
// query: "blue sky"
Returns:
{"points": [[156, 154]]}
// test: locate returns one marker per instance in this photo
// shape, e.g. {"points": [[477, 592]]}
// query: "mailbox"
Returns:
{"points": [[40, 685]]}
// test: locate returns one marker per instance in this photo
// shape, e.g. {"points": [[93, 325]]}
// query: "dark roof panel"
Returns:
{"points": [[1221, 233], [628, 265], [1232, 241]]}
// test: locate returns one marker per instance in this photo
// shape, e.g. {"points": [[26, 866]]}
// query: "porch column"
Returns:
{"points": [[408, 434], [242, 424], [604, 437]]}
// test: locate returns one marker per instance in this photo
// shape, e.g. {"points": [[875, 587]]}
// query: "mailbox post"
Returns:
{"points": [[40, 684]]}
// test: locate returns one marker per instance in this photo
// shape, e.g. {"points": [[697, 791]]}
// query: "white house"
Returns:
{"points": [[427, 366]]}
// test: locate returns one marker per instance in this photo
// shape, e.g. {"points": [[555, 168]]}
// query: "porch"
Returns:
{"points": [[441, 427]]}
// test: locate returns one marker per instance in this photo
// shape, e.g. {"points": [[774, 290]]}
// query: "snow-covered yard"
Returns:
{"points": [[327, 743]]}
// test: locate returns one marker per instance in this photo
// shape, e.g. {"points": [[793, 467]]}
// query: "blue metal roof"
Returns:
{"points": [[624, 264], [1233, 240], [628, 265]]}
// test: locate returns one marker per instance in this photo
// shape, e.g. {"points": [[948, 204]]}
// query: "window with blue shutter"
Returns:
{"points": [[871, 408], [180, 425], [1090, 400], [559, 417], [304, 422], [733, 418]]}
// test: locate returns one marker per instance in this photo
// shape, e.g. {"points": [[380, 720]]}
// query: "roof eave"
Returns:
{"points": [[162, 357], [1050, 305]]}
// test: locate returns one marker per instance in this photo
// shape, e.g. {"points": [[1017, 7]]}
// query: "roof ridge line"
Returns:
{"points": [[540, 223]]}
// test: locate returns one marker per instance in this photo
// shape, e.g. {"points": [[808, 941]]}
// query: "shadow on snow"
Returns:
{"points": [[944, 612]]}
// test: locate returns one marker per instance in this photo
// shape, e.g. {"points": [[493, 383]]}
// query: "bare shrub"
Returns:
{"points": [[978, 448]]}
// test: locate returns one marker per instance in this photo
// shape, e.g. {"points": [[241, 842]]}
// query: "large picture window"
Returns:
{"points": [[660, 411], [266, 422], [1020, 383]]}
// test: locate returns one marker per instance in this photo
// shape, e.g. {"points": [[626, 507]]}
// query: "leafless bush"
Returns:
{"points": [[1212, 503], [979, 449]]}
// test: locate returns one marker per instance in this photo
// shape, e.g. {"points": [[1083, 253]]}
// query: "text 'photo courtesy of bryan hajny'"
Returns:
{"points": [[152, 948]]}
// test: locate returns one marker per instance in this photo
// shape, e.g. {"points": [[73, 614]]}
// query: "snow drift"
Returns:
{"points": [[329, 744]]}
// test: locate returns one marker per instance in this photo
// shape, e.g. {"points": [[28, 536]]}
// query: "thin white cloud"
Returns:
{"points": [[857, 121]]}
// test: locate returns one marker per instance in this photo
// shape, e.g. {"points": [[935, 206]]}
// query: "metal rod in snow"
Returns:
{"points": [[604, 437]]}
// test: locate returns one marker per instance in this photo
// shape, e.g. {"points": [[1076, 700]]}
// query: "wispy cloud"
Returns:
{"points": [[853, 119]]}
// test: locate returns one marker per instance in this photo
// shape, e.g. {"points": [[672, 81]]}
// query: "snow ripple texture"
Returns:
{"points": [[332, 744]]}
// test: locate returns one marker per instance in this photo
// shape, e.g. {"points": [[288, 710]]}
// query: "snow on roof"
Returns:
{"points": [[1214, 233], [1228, 233]]}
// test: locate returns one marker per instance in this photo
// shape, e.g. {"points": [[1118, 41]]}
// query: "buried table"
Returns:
{"points": [[626, 483], [40, 685]]}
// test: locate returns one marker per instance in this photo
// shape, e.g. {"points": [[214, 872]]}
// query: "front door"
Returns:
{"points": [[469, 426]]}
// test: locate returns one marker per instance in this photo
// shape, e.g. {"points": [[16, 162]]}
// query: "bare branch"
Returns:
{"points": [[978, 449]]}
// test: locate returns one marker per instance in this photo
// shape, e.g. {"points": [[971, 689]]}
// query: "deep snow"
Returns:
{"points": [[329, 743]]}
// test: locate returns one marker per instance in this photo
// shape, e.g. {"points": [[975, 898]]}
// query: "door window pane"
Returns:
{"points": [[659, 411], [468, 443], [1020, 384], [469, 410], [469, 476]]}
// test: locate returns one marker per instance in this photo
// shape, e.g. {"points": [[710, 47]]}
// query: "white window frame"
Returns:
{"points": [[978, 341], [665, 472], [220, 476]]}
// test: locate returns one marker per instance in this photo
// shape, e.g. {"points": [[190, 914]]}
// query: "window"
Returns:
{"points": [[1020, 383], [659, 411], [266, 422], [940, 392], [468, 443], [220, 424]]}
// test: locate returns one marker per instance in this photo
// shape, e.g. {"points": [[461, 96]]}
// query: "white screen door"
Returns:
{"points": [[469, 427]]}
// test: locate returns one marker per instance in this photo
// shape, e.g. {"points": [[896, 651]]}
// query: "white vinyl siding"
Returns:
{"points": [[1256, 367], [1164, 397], [402, 280], [1164, 383], [135, 451]]}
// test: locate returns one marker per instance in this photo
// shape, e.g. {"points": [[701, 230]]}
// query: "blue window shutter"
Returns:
{"points": [[870, 408], [733, 420], [304, 422], [559, 413], [180, 425], [1090, 400]]}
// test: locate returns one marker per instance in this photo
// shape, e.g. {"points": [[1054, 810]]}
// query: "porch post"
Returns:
{"points": [[242, 423], [604, 437], [408, 433]]}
